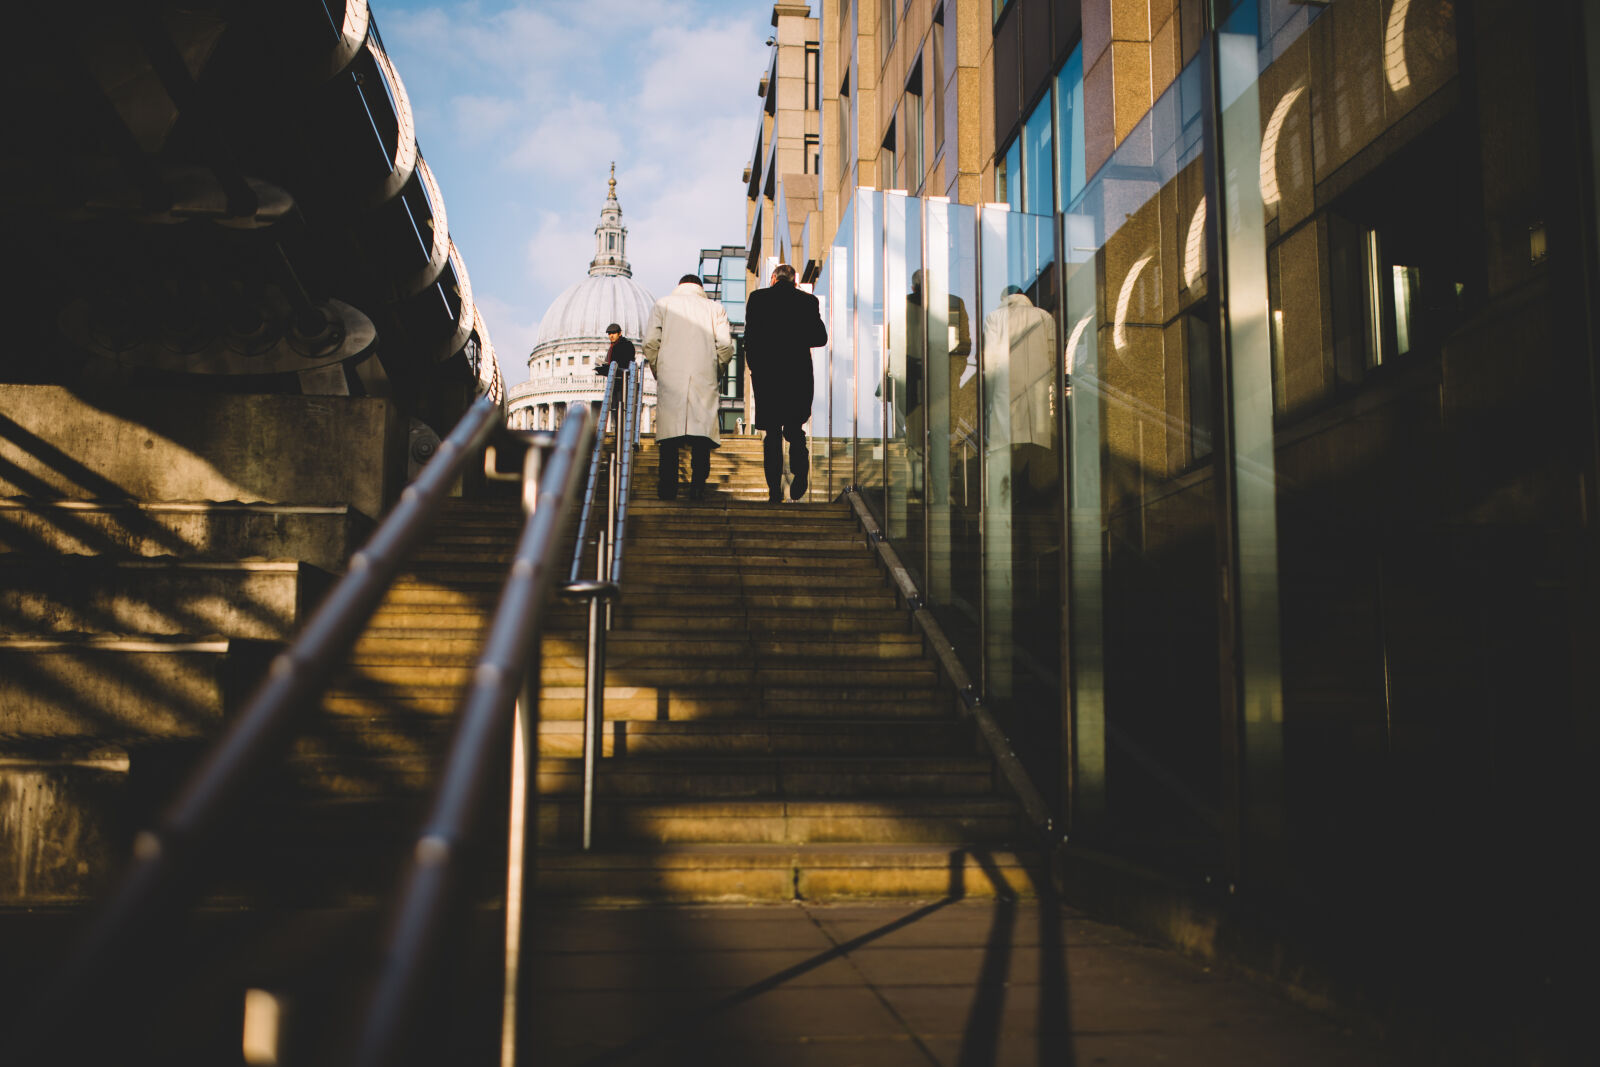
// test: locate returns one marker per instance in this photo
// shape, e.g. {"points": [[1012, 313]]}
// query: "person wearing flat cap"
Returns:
{"points": [[621, 350]]}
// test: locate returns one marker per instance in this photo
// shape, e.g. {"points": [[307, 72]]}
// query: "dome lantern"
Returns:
{"points": [[610, 237]]}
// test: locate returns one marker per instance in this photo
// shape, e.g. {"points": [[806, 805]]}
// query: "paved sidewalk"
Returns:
{"points": [[949, 983]]}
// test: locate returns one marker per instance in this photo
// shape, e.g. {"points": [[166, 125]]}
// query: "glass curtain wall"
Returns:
{"points": [[947, 340], [1145, 760]]}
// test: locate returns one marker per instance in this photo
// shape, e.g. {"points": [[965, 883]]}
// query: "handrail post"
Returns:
{"points": [[521, 815], [600, 594], [594, 697]]}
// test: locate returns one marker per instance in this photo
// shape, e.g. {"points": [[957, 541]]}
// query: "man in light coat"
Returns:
{"points": [[687, 343]]}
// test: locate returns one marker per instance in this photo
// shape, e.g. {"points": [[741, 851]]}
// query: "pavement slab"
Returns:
{"points": [[940, 983]]}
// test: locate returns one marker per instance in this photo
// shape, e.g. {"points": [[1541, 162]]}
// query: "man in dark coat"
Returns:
{"points": [[621, 352], [782, 324]]}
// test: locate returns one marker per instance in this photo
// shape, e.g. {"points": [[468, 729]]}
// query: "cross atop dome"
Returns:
{"points": [[610, 237]]}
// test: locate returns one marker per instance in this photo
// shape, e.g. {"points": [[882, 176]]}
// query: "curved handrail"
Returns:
{"points": [[164, 855], [480, 734], [595, 455], [630, 434]]}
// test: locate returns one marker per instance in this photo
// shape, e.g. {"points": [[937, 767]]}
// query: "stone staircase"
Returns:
{"points": [[773, 728]]}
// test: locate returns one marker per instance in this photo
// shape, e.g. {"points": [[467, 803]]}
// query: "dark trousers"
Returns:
{"points": [[799, 458], [699, 465]]}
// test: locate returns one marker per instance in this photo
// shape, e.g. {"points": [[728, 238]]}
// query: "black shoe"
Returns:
{"points": [[774, 497], [697, 493], [798, 488], [667, 494]]}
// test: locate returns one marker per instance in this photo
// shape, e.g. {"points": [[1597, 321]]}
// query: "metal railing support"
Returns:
{"points": [[522, 815], [600, 595]]}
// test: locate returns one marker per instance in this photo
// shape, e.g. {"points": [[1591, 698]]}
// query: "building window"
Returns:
{"points": [[813, 159], [916, 163], [1069, 127], [1038, 162], [813, 77], [938, 79], [886, 30], [888, 168], [847, 133], [1008, 177], [611, 241], [999, 6]]}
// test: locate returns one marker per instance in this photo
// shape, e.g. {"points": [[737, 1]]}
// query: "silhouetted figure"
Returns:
{"points": [[782, 325]]}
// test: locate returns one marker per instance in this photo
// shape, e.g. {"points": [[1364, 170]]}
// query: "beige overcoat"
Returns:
{"points": [[687, 342]]}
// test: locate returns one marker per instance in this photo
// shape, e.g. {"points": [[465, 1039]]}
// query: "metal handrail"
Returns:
{"points": [[630, 433], [602, 591], [262, 730], [503, 669], [994, 738], [595, 456]]}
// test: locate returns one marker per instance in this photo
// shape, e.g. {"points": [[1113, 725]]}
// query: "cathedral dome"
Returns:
{"points": [[572, 335], [587, 307]]}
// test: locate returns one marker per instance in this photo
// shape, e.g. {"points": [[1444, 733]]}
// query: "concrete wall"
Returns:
{"points": [[192, 446]]}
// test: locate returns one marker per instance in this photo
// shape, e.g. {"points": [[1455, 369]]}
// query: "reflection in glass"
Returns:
{"points": [[906, 340], [1144, 757], [841, 362], [868, 282], [1022, 539], [950, 289]]}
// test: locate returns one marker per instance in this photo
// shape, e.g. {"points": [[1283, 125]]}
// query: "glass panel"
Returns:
{"points": [[821, 425], [1145, 755], [954, 587], [1069, 126], [1038, 162], [869, 348], [906, 424], [1022, 527], [841, 361]]}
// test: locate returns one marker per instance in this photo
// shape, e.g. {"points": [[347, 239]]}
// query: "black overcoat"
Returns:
{"points": [[782, 324]]}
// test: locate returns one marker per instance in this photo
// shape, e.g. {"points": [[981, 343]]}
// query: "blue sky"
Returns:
{"points": [[521, 106]]}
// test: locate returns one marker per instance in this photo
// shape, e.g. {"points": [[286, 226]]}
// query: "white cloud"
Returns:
{"points": [[558, 252], [478, 119]]}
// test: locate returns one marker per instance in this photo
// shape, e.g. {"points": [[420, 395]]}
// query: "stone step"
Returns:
{"points": [[696, 703], [423, 729], [667, 777], [325, 766], [752, 873], [323, 535], [747, 737], [116, 689], [261, 599], [880, 617], [877, 820], [896, 675]]}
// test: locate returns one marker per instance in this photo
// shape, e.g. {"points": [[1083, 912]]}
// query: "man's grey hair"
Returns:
{"points": [[783, 273]]}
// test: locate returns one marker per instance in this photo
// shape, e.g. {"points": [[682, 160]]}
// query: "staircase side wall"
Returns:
{"points": [[160, 445]]}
